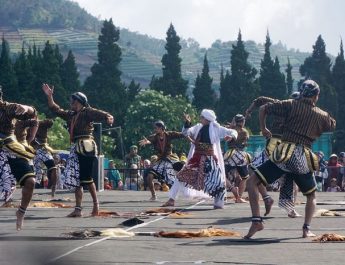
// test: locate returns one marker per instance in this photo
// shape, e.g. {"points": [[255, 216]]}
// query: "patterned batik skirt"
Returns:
{"points": [[236, 157], [163, 170], [286, 198], [7, 179], [202, 172], [42, 155], [72, 170]]}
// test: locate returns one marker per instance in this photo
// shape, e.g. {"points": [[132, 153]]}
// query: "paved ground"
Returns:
{"points": [[280, 243]]}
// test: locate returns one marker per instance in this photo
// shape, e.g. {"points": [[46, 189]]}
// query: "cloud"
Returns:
{"points": [[297, 23]]}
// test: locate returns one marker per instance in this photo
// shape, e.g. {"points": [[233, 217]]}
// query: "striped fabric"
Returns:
{"points": [[84, 123], [8, 116], [205, 176], [304, 122]]}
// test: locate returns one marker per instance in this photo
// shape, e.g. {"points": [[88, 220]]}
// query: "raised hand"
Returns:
{"points": [[228, 138], [49, 91], [144, 142]]}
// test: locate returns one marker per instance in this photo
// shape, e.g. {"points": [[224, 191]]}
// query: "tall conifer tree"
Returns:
{"points": [[289, 80], [172, 82], [104, 87], [69, 74], [318, 67], [204, 96], [8, 78], [272, 81]]}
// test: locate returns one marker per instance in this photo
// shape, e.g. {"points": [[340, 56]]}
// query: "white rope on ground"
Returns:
{"points": [[108, 237]]}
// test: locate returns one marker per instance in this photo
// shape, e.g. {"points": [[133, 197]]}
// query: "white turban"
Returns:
{"points": [[209, 115]]}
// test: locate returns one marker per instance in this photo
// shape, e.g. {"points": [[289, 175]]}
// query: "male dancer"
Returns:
{"points": [[236, 159], [286, 194], [83, 152], [303, 123], [16, 154], [163, 168], [44, 154]]}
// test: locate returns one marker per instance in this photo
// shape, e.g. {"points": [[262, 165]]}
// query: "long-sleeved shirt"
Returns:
{"points": [[82, 121], [303, 121], [163, 145], [8, 117], [21, 129]]}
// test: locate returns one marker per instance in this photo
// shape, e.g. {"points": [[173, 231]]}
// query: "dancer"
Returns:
{"points": [[303, 124], [236, 159], [204, 170], [286, 192], [83, 151], [44, 155], [162, 169], [15, 154]]}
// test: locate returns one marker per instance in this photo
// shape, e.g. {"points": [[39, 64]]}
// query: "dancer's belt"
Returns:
{"points": [[85, 145], [284, 150], [10, 144], [37, 145], [204, 149]]}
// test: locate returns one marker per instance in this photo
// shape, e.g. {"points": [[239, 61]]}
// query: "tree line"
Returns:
{"points": [[22, 76]]}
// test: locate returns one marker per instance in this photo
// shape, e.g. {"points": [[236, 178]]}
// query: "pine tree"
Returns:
{"points": [[204, 96], [289, 80], [318, 67], [272, 81], [104, 87], [26, 78], [172, 82], [69, 74], [239, 89], [8, 78], [338, 76], [50, 74], [133, 90]]}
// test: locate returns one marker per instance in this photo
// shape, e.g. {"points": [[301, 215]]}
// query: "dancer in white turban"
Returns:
{"points": [[204, 170]]}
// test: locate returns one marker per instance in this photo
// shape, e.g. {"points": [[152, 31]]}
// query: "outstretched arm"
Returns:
{"points": [[144, 141], [262, 120]]}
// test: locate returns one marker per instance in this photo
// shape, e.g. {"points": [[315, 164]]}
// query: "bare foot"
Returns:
{"points": [[153, 198], [293, 214], [307, 233], [255, 227], [240, 200], [268, 205], [170, 202], [75, 213], [95, 209], [20, 220]]}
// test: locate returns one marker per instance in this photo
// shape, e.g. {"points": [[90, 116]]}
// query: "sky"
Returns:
{"points": [[296, 23]]}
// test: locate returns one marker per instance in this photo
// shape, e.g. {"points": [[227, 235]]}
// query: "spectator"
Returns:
{"points": [[147, 166], [114, 177], [333, 171], [133, 157], [342, 169], [107, 185], [333, 187], [134, 181], [321, 175]]}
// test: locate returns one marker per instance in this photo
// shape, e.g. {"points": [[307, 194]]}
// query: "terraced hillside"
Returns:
{"points": [[141, 54]]}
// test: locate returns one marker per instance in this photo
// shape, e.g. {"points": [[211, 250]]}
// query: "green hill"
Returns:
{"points": [[25, 22]]}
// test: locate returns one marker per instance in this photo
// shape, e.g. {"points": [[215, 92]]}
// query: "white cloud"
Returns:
{"points": [[296, 23]]}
